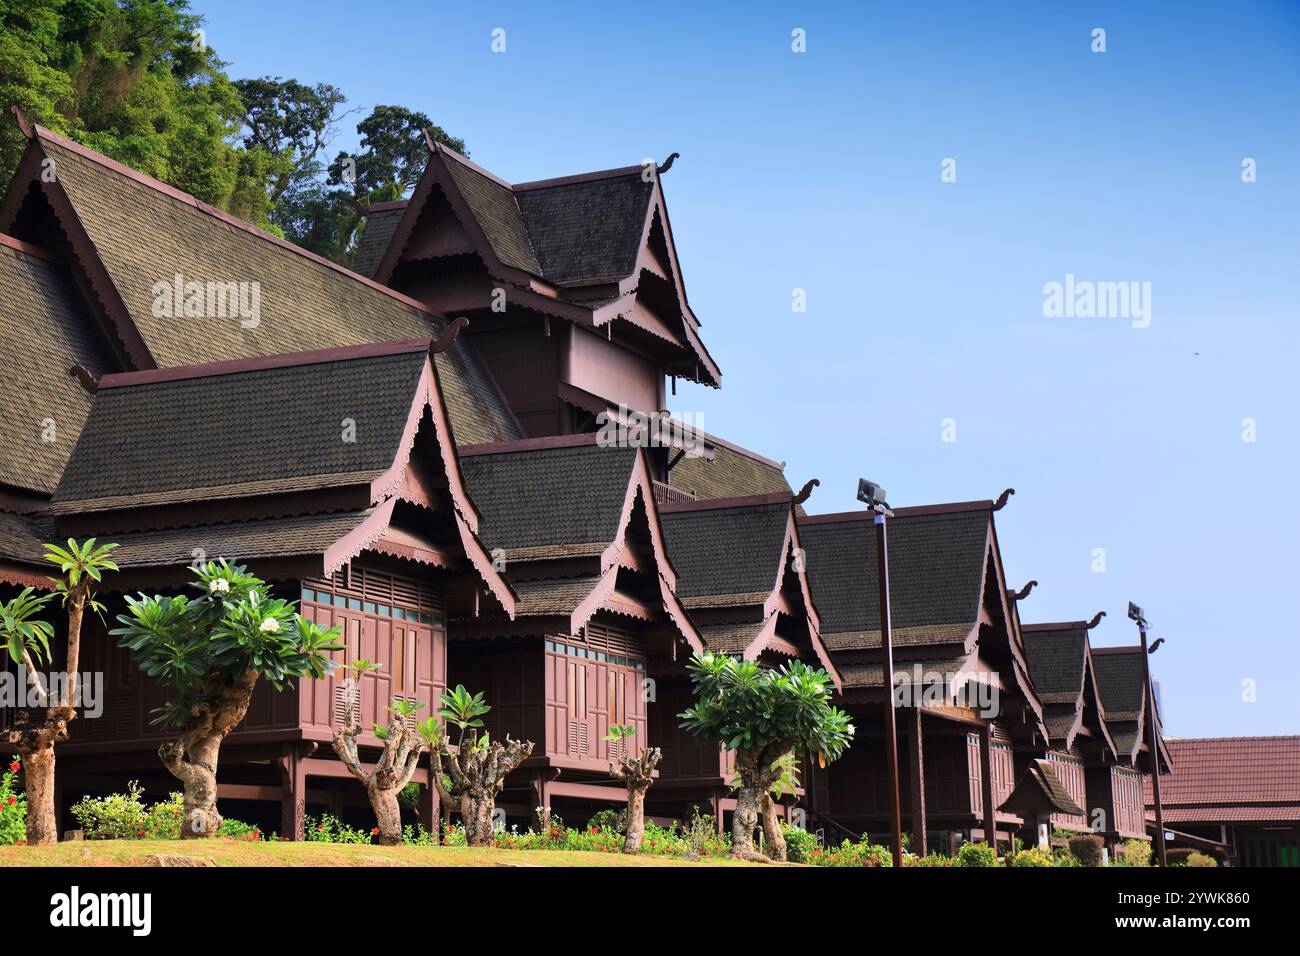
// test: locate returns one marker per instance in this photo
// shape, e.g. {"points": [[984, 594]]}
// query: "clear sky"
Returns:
{"points": [[821, 171]]}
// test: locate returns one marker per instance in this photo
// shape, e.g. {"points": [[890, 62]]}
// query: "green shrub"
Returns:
{"points": [[329, 829], [124, 816], [1178, 856], [1086, 848], [615, 821], [799, 843], [1201, 859], [849, 853], [932, 859], [977, 854], [416, 835], [13, 806], [1133, 853], [1031, 857]]}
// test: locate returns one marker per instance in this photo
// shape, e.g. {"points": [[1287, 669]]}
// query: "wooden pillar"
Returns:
{"points": [[293, 795], [916, 764], [986, 774]]}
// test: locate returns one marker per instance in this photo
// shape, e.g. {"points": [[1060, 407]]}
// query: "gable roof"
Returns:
{"points": [[727, 555], [381, 223], [937, 563], [573, 247], [733, 472], [1231, 779], [1120, 681], [46, 332], [1057, 661], [145, 233], [546, 502], [228, 433], [1040, 791]]}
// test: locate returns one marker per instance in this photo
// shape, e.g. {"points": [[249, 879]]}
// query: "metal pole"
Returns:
{"points": [[887, 647], [1155, 747]]}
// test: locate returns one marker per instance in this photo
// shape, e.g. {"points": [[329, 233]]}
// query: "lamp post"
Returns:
{"points": [[873, 496], [1138, 615]]}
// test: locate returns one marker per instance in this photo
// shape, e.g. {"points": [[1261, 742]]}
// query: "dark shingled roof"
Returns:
{"points": [[1120, 684], [586, 230], [536, 499], [45, 333], [1056, 662], [731, 474], [498, 215], [936, 563], [22, 538], [145, 232], [726, 551], [251, 429], [1040, 791], [380, 226], [552, 596], [297, 536]]}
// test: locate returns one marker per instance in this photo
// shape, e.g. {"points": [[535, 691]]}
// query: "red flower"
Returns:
{"points": [[139, 833], [15, 767], [12, 801], [375, 832], [320, 826]]}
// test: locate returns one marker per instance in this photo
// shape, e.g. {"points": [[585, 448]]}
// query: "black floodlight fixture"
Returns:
{"points": [[1135, 613], [873, 496]]}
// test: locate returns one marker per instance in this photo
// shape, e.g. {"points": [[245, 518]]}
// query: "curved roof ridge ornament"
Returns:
{"points": [[806, 491], [667, 164], [429, 141], [84, 378], [449, 336], [1096, 619], [1002, 499], [1023, 592], [23, 124]]}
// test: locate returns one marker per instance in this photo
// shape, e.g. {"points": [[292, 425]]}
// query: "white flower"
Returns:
{"points": [[218, 585], [270, 626]]}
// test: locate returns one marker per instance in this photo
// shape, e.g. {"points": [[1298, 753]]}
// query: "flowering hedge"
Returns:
{"points": [[124, 816], [673, 840], [849, 853], [13, 806]]}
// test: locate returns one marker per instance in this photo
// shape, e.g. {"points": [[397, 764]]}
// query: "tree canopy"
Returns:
{"points": [[137, 81]]}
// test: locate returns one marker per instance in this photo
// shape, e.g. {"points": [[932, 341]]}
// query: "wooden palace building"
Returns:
{"points": [[458, 452]]}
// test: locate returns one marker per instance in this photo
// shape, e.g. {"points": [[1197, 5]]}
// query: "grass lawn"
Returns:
{"points": [[239, 853]]}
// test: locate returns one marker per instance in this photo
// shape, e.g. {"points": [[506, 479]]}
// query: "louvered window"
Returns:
{"points": [[579, 742]]}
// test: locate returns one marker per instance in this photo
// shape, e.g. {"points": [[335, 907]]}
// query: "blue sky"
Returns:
{"points": [[821, 171]]}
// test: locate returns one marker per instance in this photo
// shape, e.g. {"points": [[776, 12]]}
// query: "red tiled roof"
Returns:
{"points": [[1231, 778]]}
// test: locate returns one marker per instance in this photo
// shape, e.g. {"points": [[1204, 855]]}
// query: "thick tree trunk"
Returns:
{"points": [[388, 813], [743, 822], [38, 779], [192, 759], [635, 819], [195, 767], [773, 835], [476, 777]]}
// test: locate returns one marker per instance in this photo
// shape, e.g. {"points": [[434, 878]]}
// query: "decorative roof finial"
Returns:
{"points": [[84, 378], [806, 490], [667, 164], [1096, 619], [449, 336], [1002, 499], [23, 125], [1024, 592]]}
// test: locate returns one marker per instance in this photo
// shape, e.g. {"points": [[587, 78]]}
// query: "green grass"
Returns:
{"points": [[239, 853]]}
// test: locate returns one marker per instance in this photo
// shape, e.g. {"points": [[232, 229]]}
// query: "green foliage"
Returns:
{"points": [[1033, 856], [1178, 856], [932, 860], [329, 829], [416, 835], [849, 853], [198, 647], [80, 565], [13, 806], [1197, 858], [765, 712], [463, 710], [1086, 848], [134, 81], [977, 854], [615, 821], [21, 630], [696, 839], [1133, 853], [125, 816], [621, 731], [799, 844]]}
